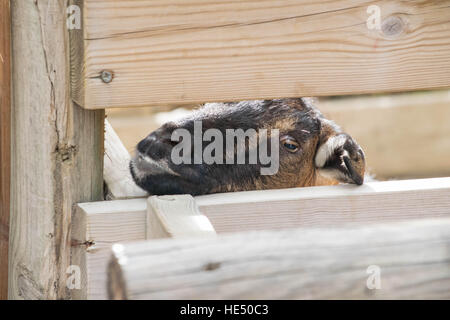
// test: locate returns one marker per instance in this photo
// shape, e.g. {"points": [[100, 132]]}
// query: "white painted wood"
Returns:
{"points": [[110, 222], [412, 257], [116, 170]]}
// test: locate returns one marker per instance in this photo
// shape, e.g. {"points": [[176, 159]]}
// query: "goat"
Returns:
{"points": [[312, 150]]}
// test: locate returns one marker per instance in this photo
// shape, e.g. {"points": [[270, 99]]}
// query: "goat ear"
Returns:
{"points": [[342, 159]]}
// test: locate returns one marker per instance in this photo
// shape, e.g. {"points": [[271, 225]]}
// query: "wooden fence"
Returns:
{"points": [[5, 137], [140, 53], [101, 224], [200, 51], [410, 259]]}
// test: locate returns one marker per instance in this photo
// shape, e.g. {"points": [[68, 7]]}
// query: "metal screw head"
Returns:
{"points": [[107, 76]]}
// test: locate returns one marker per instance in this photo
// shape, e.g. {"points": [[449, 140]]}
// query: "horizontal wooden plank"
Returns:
{"points": [[408, 260], [333, 206], [125, 220], [92, 236], [179, 52], [110, 222], [163, 216]]}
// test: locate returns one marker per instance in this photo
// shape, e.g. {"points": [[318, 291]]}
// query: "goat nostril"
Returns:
{"points": [[143, 145]]}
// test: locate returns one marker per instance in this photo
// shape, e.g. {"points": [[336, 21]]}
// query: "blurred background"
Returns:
{"points": [[404, 135]]}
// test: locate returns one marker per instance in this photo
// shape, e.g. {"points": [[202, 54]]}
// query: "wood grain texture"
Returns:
{"points": [[188, 52], [157, 217], [122, 221], [373, 202], [116, 171], [93, 240], [5, 141], [176, 217], [57, 152], [413, 258], [77, 63]]}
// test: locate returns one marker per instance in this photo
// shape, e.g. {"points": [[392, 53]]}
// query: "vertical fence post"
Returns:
{"points": [[5, 141], [56, 152]]}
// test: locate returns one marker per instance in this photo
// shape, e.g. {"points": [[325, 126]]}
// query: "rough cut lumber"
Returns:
{"points": [[109, 222], [157, 217], [403, 135], [116, 170], [413, 259], [332, 206], [57, 152], [183, 51], [5, 141], [127, 223]]}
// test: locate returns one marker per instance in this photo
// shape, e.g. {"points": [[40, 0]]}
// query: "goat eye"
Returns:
{"points": [[290, 144]]}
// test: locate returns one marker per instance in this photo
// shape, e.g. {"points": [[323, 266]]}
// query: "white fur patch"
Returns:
{"points": [[144, 165], [327, 149]]}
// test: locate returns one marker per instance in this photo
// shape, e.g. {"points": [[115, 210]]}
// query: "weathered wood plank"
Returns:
{"points": [[92, 241], [5, 141], [177, 51], [412, 257], [118, 221], [157, 217], [57, 152], [387, 201], [116, 170], [329, 206], [176, 217]]}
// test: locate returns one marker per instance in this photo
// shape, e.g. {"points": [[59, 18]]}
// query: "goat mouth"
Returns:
{"points": [[142, 165], [135, 172]]}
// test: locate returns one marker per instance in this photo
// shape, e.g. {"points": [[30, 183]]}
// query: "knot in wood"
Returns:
{"points": [[392, 26], [212, 266]]}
